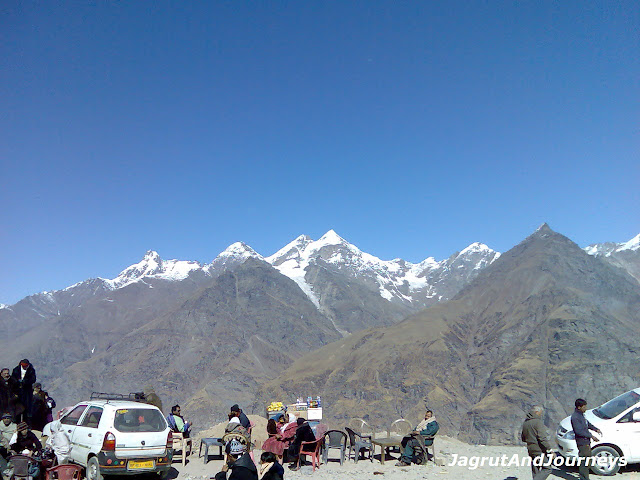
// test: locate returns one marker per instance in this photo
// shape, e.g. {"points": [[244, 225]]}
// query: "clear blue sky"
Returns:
{"points": [[411, 128]]}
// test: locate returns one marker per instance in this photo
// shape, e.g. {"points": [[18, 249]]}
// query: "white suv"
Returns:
{"points": [[619, 444], [116, 437]]}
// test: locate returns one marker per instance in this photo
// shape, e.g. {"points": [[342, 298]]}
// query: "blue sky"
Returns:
{"points": [[411, 128]]}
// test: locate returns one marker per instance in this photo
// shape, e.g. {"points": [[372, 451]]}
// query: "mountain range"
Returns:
{"points": [[544, 323], [209, 335]]}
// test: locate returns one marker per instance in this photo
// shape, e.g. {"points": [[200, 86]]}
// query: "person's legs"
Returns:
{"points": [[584, 452], [541, 472]]}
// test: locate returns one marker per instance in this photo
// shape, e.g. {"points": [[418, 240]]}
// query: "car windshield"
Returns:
{"points": [[139, 420], [615, 407]]}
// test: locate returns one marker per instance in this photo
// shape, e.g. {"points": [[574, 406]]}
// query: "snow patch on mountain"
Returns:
{"points": [[153, 266], [395, 279], [609, 248]]}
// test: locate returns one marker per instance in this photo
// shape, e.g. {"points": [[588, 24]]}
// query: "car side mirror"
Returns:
{"points": [[636, 416]]}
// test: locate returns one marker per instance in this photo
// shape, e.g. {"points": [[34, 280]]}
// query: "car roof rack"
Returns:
{"points": [[134, 396]]}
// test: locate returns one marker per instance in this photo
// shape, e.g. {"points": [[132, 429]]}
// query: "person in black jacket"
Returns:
{"points": [[269, 468], [25, 375], [581, 427], [304, 433], [240, 463], [25, 439], [9, 399], [244, 420]]}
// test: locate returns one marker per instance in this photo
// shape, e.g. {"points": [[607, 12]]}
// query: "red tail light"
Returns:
{"points": [[170, 440], [109, 442]]}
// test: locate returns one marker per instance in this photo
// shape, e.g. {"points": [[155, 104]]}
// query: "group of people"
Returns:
{"points": [[287, 433], [536, 435], [237, 440], [22, 397]]}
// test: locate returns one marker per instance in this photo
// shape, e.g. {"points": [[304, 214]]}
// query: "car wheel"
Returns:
{"points": [[164, 474], [93, 469], [608, 467]]}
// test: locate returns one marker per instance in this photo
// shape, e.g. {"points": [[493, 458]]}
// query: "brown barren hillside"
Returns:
{"points": [[545, 323]]}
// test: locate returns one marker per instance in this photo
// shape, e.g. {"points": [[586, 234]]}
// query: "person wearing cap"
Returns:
{"points": [[244, 420], [7, 429], [239, 461], [24, 441], [25, 376]]}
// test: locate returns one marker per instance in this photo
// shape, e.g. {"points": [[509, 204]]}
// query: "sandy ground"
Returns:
{"points": [[446, 448]]}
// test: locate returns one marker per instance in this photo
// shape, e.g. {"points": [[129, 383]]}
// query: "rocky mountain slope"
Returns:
{"points": [[544, 323], [215, 348]]}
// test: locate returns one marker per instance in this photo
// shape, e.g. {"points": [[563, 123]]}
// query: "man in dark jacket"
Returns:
{"points": [[581, 427], [536, 435], [304, 433], [244, 420], [240, 463], [25, 375]]}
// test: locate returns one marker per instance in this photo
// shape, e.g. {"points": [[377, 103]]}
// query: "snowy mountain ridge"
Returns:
{"points": [[609, 248], [395, 280]]}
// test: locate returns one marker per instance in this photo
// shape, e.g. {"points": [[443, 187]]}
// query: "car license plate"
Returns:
{"points": [[137, 464]]}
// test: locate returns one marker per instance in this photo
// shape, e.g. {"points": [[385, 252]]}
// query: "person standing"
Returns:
{"points": [[244, 420], [581, 427], [25, 375], [536, 435]]}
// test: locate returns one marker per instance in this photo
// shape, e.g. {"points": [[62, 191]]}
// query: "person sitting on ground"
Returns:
{"points": [[234, 425], [239, 461], [304, 433], [427, 428], [176, 422], [244, 420], [24, 441], [7, 430], [59, 442], [274, 443], [269, 468]]}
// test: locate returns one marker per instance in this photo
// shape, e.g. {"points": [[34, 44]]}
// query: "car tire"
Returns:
{"points": [[612, 455], [93, 469], [164, 474]]}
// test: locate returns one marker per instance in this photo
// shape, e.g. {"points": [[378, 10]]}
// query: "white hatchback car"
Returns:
{"points": [[619, 444], [116, 437]]}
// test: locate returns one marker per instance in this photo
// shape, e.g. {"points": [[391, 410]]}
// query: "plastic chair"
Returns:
{"points": [[180, 442], [312, 449], [400, 428], [64, 472], [334, 439], [21, 465], [359, 442], [424, 457]]}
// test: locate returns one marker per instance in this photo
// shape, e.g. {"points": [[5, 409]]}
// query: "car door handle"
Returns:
{"points": [[89, 435]]}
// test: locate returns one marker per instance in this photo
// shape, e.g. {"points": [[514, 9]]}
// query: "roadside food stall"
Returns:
{"points": [[311, 409]]}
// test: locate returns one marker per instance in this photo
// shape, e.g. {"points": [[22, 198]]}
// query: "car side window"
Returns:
{"points": [[628, 418], [73, 416], [92, 418]]}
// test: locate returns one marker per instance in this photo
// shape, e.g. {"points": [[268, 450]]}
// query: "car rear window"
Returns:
{"points": [[139, 420]]}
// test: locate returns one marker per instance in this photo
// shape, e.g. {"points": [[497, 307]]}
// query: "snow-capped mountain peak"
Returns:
{"points": [[239, 250], [633, 244], [152, 265], [609, 248], [332, 238]]}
